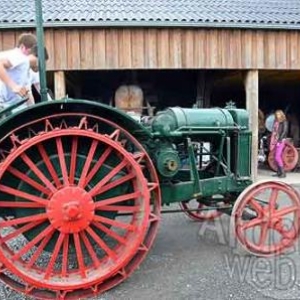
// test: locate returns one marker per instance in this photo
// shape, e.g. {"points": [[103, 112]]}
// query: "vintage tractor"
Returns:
{"points": [[82, 187]]}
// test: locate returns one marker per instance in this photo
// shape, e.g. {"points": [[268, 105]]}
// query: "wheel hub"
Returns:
{"points": [[71, 209]]}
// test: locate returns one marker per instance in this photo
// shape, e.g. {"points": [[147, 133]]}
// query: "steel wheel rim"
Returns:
{"points": [[268, 218], [146, 235]]}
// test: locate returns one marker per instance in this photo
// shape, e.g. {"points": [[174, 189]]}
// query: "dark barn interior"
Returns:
{"points": [[164, 88]]}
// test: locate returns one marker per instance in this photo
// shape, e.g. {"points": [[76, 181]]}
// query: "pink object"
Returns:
{"points": [[274, 136], [278, 153]]}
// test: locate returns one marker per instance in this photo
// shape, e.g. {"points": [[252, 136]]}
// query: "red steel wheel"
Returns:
{"points": [[290, 158], [84, 211], [204, 213], [265, 218]]}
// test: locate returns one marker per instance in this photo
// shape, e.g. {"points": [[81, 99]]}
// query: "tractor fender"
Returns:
{"points": [[44, 109]]}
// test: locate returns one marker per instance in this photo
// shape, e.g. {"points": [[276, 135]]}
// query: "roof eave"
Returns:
{"points": [[151, 24]]}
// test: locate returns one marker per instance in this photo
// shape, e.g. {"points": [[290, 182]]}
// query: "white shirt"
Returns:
{"points": [[34, 79], [18, 72]]}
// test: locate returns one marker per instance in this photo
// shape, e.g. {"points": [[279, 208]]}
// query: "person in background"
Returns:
{"points": [[34, 79], [14, 69], [279, 134]]}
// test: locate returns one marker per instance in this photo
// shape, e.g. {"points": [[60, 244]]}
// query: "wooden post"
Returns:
{"points": [[59, 84], [252, 92]]}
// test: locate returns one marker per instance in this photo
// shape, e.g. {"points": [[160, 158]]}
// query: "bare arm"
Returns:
{"points": [[4, 65]]}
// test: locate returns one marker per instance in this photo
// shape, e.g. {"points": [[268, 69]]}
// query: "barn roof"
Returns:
{"points": [[274, 14]]}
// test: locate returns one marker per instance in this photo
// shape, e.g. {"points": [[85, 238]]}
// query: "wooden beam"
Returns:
{"points": [[59, 84], [251, 87]]}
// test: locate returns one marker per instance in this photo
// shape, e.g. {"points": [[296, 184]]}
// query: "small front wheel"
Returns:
{"points": [[265, 218]]}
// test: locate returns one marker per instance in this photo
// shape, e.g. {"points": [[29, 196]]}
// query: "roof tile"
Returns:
{"points": [[239, 13]]}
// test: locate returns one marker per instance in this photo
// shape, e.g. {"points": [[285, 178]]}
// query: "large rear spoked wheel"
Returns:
{"points": [[265, 218], [79, 211]]}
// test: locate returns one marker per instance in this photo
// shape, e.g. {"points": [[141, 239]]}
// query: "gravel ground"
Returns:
{"points": [[190, 260]]}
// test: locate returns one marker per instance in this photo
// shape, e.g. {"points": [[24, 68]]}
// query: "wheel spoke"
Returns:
{"points": [[256, 206], [33, 242], [109, 176], [64, 265], [23, 220], [285, 211], [102, 244], [37, 172], [252, 223], [20, 204], [117, 199], [87, 163], [90, 249], [109, 232], [40, 249], [20, 231], [125, 208], [62, 161], [114, 223], [117, 182], [263, 235], [54, 255], [79, 255], [24, 195], [273, 198], [73, 159], [30, 181], [49, 165], [97, 166]]}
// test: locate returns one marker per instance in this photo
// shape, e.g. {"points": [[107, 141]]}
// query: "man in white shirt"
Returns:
{"points": [[14, 69]]}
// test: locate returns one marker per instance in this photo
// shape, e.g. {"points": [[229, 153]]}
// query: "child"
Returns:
{"points": [[34, 79], [14, 69], [279, 134]]}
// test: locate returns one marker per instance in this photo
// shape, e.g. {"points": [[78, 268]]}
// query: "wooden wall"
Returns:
{"points": [[92, 49]]}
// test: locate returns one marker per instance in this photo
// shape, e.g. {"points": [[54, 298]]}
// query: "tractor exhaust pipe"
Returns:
{"points": [[41, 52]]}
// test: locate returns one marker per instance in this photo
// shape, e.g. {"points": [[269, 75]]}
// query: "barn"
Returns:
{"points": [[179, 52]]}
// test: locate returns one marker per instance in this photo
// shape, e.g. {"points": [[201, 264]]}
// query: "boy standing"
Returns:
{"points": [[14, 69]]}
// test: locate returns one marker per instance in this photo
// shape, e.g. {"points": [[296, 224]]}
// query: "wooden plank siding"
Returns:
{"points": [[167, 48]]}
